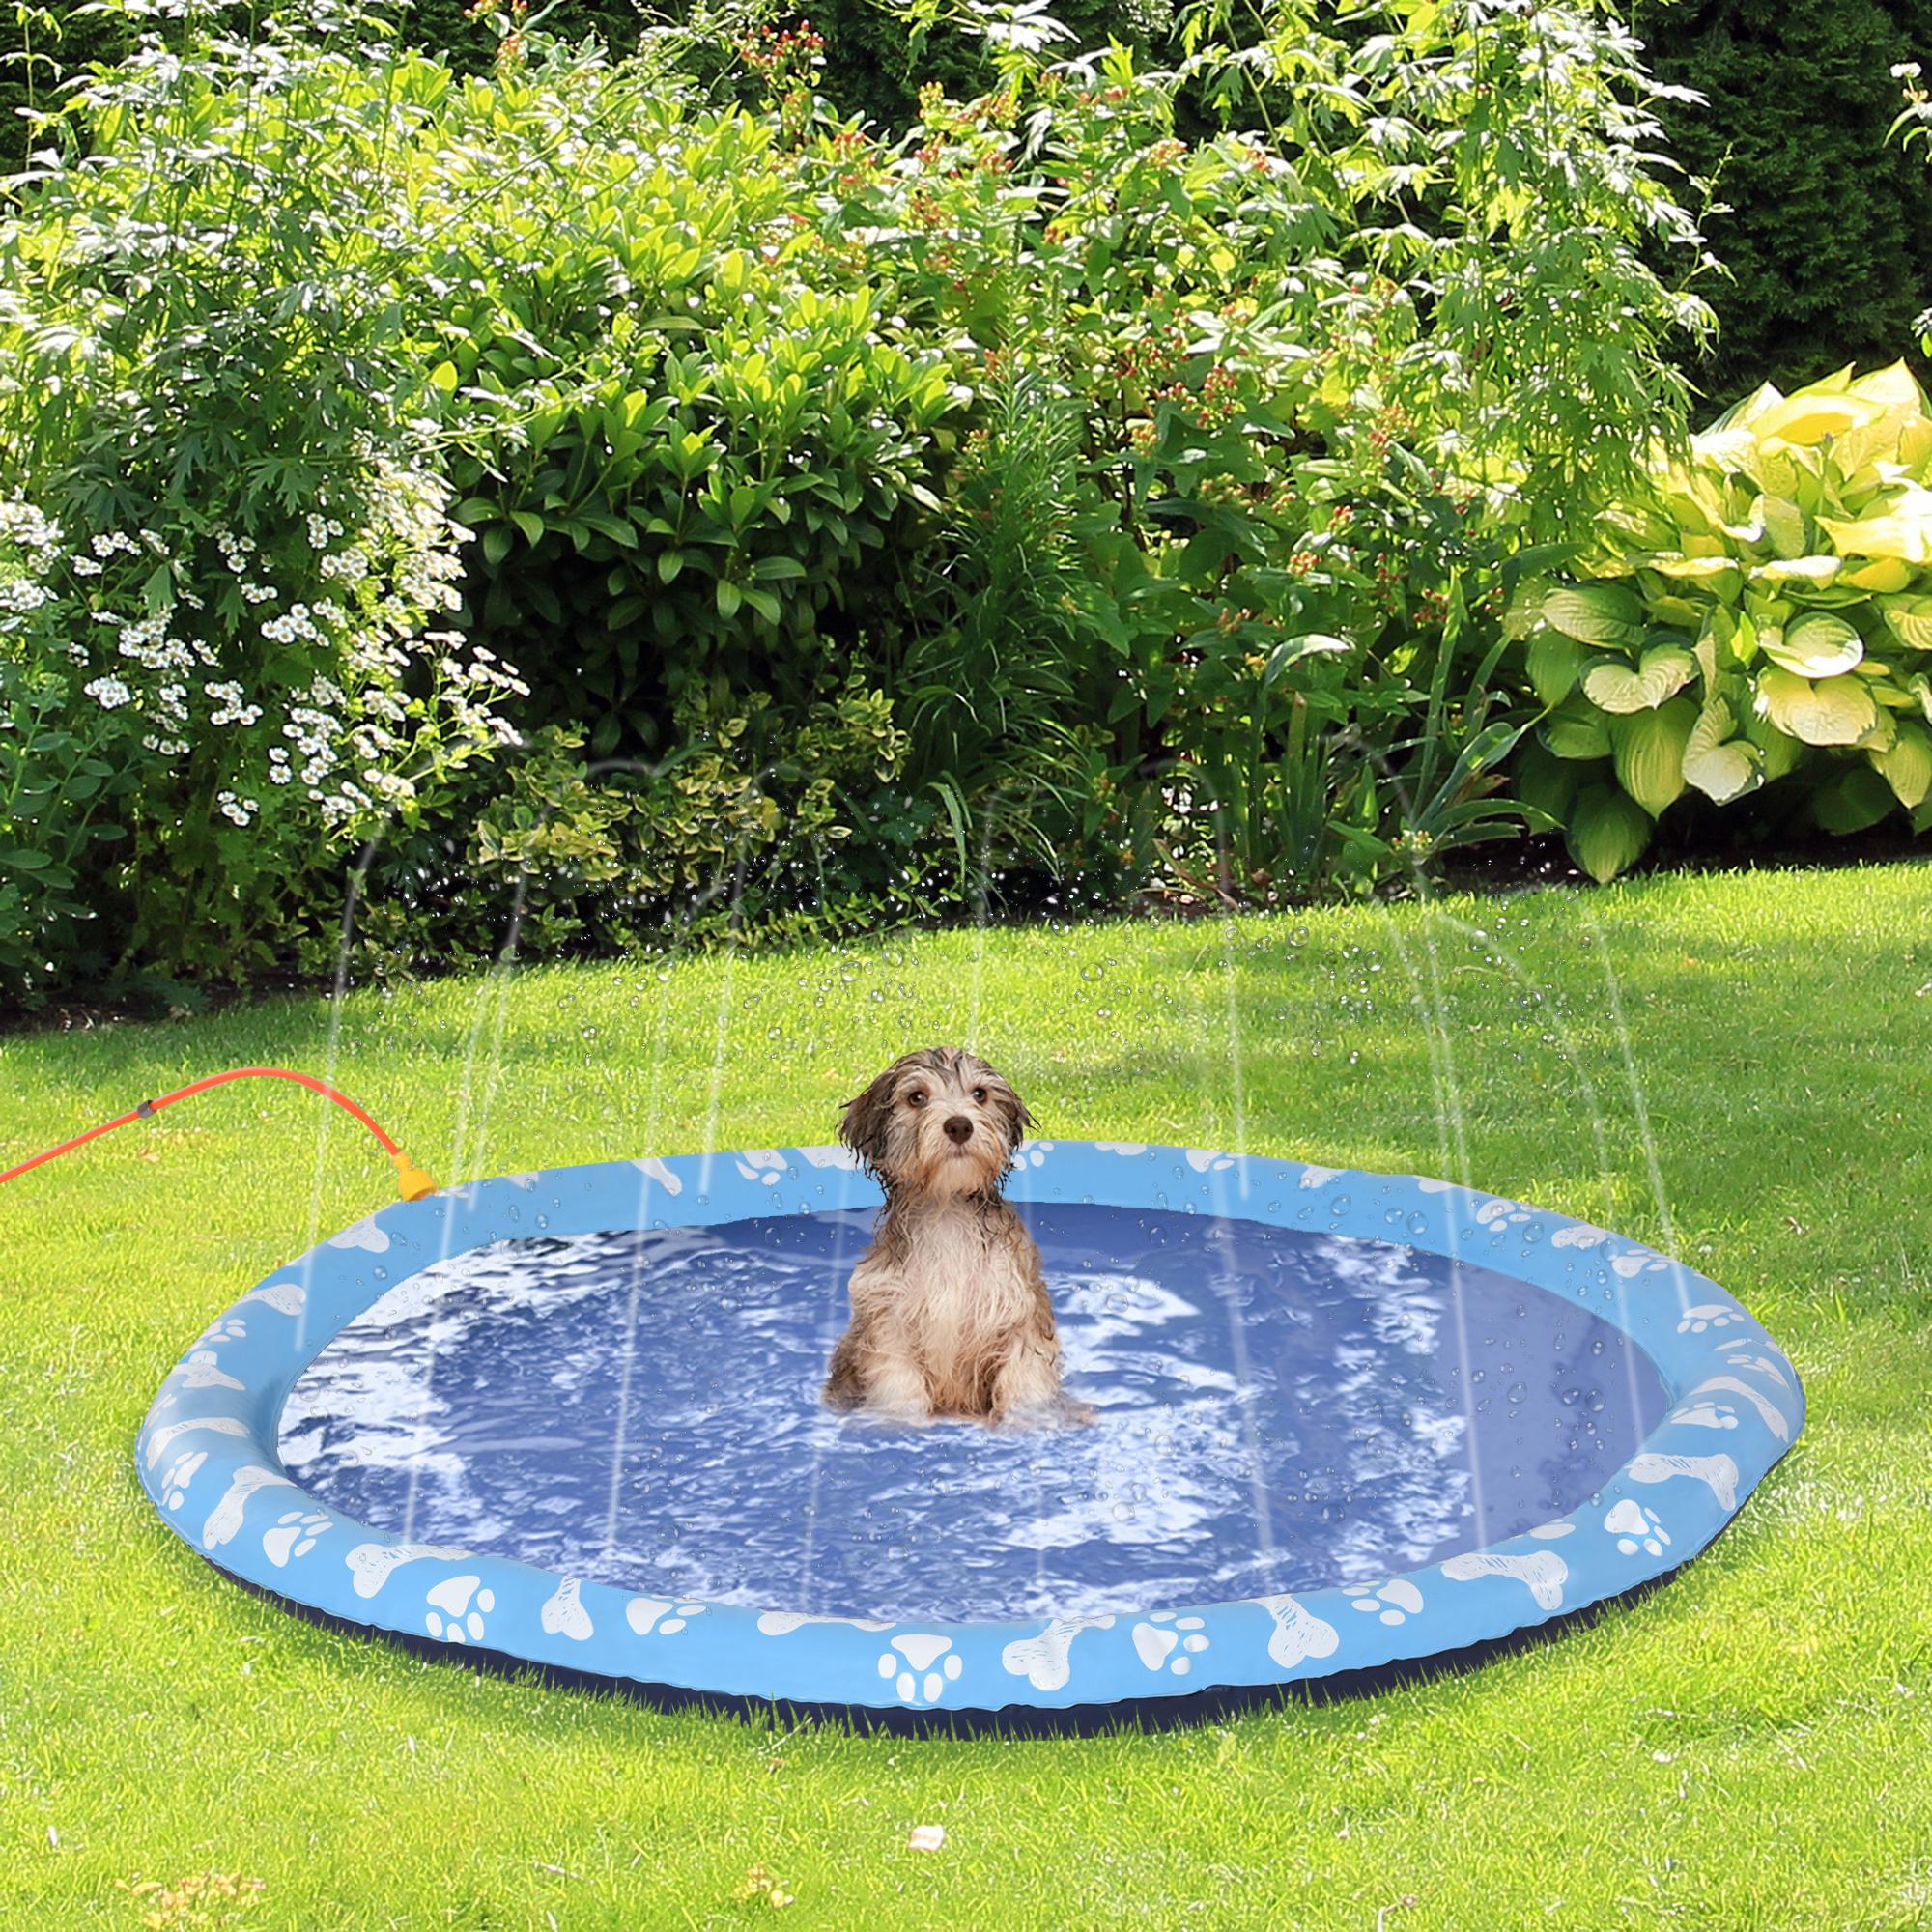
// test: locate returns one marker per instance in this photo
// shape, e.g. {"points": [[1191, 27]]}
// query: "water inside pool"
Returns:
{"points": [[1278, 1411]]}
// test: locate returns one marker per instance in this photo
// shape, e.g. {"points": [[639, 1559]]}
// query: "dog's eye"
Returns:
{"points": [[980, 1094], [915, 1099]]}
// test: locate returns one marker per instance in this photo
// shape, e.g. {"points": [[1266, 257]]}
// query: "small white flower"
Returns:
{"points": [[109, 693]]}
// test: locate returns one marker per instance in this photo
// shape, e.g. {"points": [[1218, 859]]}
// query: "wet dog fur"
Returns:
{"points": [[950, 1310]]}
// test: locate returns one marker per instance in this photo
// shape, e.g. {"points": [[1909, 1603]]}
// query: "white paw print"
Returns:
{"points": [[1207, 1160], [294, 1535], [1395, 1603], [763, 1164], [1501, 1213], [1127, 1149], [1159, 1636], [457, 1609], [652, 1168], [1708, 1314], [921, 1653], [1708, 1415], [1579, 1235], [1032, 1154], [180, 1474], [1627, 1266], [641, 1613], [1632, 1524], [1320, 1177], [228, 1328]]}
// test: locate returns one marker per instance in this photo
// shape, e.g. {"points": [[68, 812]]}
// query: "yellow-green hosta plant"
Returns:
{"points": [[1759, 610]]}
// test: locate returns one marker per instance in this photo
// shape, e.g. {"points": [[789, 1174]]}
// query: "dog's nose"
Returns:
{"points": [[959, 1128]]}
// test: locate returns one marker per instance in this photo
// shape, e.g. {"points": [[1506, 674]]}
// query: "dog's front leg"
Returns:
{"points": [[1027, 1384], [896, 1384]]}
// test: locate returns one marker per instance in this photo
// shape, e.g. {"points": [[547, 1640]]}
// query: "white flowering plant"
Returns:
{"points": [[229, 572]]}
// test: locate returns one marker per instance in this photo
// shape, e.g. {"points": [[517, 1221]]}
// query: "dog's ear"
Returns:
{"points": [[862, 1126], [1019, 1121]]}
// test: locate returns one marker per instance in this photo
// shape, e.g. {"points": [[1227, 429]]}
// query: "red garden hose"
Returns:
{"points": [[411, 1179]]}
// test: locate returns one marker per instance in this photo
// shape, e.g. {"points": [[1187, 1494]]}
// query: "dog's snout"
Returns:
{"points": [[959, 1130]]}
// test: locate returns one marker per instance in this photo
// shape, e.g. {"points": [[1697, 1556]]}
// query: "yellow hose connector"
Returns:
{"points": [[412, 1180]]}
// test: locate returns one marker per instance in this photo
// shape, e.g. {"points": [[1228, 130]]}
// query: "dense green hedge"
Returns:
{"points": [[1829, 238]]}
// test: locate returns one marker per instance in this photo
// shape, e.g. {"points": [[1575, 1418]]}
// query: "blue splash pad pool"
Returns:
{"points": [[1223, 1440], [1278, 1409]]}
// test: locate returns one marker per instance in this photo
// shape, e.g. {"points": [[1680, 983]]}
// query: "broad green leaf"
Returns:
{"points": [[1780, 751], [1837, 712], [1607, 832], [727, 598], [1722, 767], [1690, 569], [1901, 529], [1594, 613], [1784, 525], [1664, 670], [1649, 747], [531, 525], [1893, 387], [1807, 417], [1552, 663], [1577, 730], [1816, 571], [1820, 645], [1909, 619], [445, 378], [1857, 798], [1546, 783], [1882, 573], [1907, 766]]}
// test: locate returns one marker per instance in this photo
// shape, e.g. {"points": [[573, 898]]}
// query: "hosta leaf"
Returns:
{"points": [[1816, 571], [1722, 767], [1607, 832], [1907, 766], [1577, 730], [1857, 798], [1548, 782], [1552, 663], [1921, 686], [1648, 747], [1901, 529], [1893, 387], [1883, 730], [1820, 645], [1837, 712], [1594, 613], [1909, 619], [1691, 569], [1781, 753], [1680, 613], [1807, 417], [1663, 671], [1784, 525], [1730, 449], [1882, 574]]}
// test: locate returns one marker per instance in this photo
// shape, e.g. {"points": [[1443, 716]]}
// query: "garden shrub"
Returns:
{"points": [[231, 567], [1758, 614], [1305, 423]]}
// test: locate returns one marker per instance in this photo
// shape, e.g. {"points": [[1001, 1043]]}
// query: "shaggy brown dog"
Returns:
{"points": [[949, 1309]]}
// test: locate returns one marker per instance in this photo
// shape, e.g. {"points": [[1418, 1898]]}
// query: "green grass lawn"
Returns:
{"points": [[1734, 1067]]}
